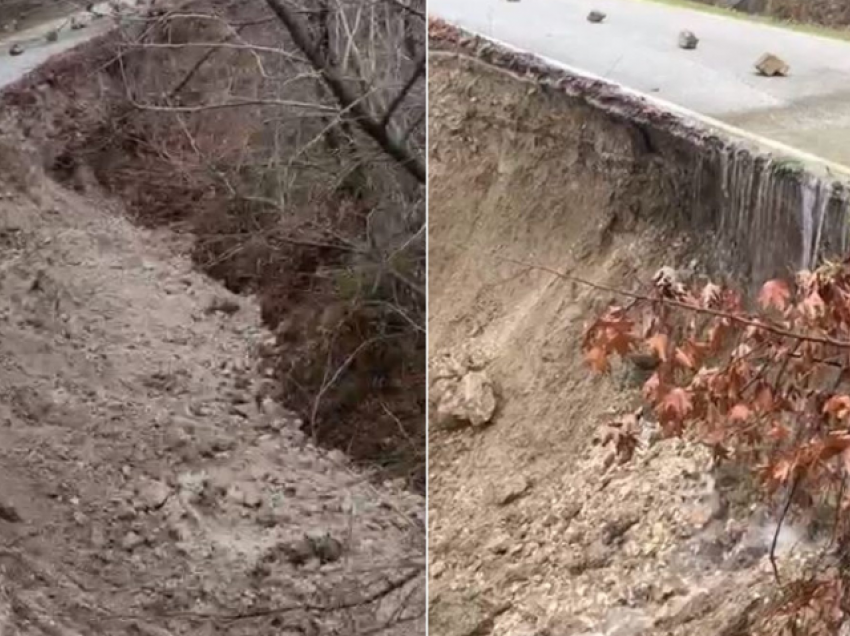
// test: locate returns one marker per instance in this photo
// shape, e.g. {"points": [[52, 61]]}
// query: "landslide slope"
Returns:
{"points": [[146, 487], [533, 528]]}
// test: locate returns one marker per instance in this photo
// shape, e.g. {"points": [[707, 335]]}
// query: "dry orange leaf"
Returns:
{"points": [[658, 343], [651, 388], [764, 401], [775, 293], [676, 404], [740, 413], [782, 470], [838, 405], [598, 359], [685, 359]]}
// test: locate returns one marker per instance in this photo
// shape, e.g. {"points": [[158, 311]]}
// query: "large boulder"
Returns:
{"points": [[461, 392]]}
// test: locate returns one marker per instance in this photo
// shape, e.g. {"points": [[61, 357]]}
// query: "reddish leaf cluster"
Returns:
{"points": [[768, 385]]}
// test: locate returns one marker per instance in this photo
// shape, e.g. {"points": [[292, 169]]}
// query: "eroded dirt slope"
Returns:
{"points": [[534, 529], [145, 488]]}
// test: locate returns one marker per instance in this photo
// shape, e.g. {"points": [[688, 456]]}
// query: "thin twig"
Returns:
{"points": [[235, 104], [402, 94], [779, 523]]}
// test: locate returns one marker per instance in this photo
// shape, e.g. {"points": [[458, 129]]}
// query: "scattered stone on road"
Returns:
{"points": [[52, 35], [770, 66], [78, 22], [16, 49], [595, 17], [687, 40]]}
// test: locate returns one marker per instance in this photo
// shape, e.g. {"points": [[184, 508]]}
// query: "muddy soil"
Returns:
{"points": [[534, 529], [149, 488]]}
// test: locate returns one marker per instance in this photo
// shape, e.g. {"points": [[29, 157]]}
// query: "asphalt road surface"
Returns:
{"points": [[38, 50], [637, 47]]}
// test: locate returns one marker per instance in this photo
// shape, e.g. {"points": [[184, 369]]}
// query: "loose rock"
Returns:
{"points": [[325, 547], [153, 494], [16, 49], [687, 40], [9, 513], [512, 490], [472, 399], [131, 541], [596, 17], [770, 65]]}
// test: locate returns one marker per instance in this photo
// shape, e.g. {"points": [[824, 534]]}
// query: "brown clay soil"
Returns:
{"points": [[148, 486], [534, 529]]}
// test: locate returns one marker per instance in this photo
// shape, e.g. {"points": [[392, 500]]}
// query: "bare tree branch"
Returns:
{"points": [[388, 139], [402, 94], [240, 103]]}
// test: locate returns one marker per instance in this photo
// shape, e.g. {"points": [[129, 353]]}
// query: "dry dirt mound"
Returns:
{"points": [[533, 529], [145, 489]]}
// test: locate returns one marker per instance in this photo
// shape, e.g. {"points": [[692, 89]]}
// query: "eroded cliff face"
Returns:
{"points": [[534, 171]]}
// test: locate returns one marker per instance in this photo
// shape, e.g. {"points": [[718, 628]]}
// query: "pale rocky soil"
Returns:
{"points": [[145, 488]]}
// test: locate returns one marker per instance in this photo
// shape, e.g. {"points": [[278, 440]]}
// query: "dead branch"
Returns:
{"points": [[218, 45], [405, 90], [239, 103]]}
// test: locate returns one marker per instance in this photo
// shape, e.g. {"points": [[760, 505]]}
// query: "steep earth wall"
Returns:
{"points": [[532, 168]]}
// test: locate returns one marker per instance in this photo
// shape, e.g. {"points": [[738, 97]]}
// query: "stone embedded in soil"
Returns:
{"points": [[596, 17], [131, 541], [512, 490], [153, 494], [9, 513], [500, 544], [770, 65], [472, 399], [271, 517], [326, 548], [125, 511], [687, 40], [297, 552], [246, 495], [712, 507], [613, 531], [594, 557]]}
